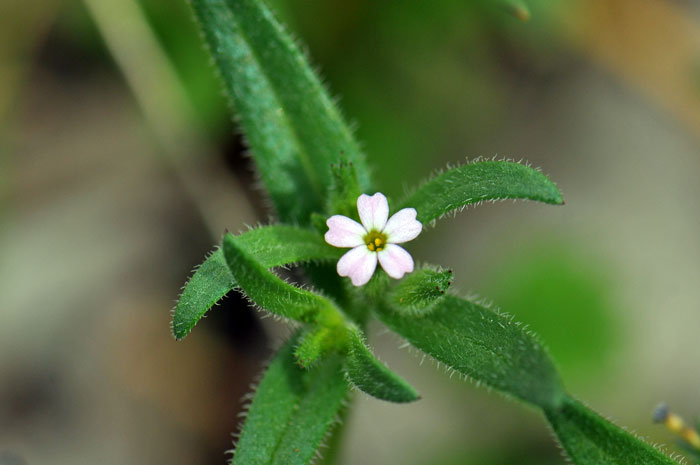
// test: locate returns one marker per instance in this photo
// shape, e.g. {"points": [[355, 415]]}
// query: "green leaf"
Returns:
{"points": [[317, 342], [483, 345], [293, 128], [589, 439], [270, 245], [419, 291], [373, 377], [479, 181], [211, 281], [271, 293], [292, 411], [280, 244]]}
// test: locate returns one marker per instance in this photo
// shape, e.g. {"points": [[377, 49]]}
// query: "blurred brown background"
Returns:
{"points": [[120, 168]]}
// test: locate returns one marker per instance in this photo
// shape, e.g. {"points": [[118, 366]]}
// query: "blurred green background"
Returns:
{"points": [[120, 167]]}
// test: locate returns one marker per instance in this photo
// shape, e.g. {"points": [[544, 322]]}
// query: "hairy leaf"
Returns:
{"points": [[484, 345], [269, 245], [211, 281], [271, 293], [293, 128], [373, 377], [589, 439], [317, 342], [479, 181], [292, 411], [419, 291]]}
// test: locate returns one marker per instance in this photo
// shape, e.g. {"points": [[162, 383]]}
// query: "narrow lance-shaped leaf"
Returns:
{"points": [[488, 347], [372, 376], [211, 281], [292, 411], [479, 181], [294, 129], [589, 439], [269, 245], [271, 293]]}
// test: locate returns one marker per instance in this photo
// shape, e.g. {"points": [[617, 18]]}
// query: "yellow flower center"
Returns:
{"points": [[375, 240]]}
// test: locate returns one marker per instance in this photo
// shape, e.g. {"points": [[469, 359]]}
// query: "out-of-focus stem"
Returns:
{"points": [[161, 96]]}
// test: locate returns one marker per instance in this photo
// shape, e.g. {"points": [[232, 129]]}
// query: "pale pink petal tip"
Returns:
{"points": [[403, 226], [373, 211], [358, 264], [395, 261], [344, 232]]}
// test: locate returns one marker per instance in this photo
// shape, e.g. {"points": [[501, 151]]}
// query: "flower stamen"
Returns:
{"points": [[375, 240]]}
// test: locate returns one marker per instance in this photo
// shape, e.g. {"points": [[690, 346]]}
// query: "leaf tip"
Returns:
{"points": [[178, 328]]}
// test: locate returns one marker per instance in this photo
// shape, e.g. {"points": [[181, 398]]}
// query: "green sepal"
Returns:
{"points": [[589, 439], [419, 291], [477, 182], [373, 377], [269, 292], [294, 129], [270, 245], [361, 300], [375, 289], [292, 412], [317, 342], [483, 345]]}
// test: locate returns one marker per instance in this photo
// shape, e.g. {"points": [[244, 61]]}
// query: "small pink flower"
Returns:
{"points": [[374, 239]]}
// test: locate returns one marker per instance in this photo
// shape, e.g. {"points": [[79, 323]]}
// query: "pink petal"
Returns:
{"points": [[373, 211], [344, 232], [402, 226], [359, 264], [395, 261]]}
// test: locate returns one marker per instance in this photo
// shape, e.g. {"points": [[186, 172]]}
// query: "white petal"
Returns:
{"points": [[373, 211], [395, 261], [402, 226], [359, 264], [344, 232]]}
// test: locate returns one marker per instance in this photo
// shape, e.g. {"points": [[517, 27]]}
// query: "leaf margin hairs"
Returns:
{"points": [[271, 293], [537, 391], [294, 127], [425, 202], [247, 450], [361, 364], [189, 310], [573, 423]]}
